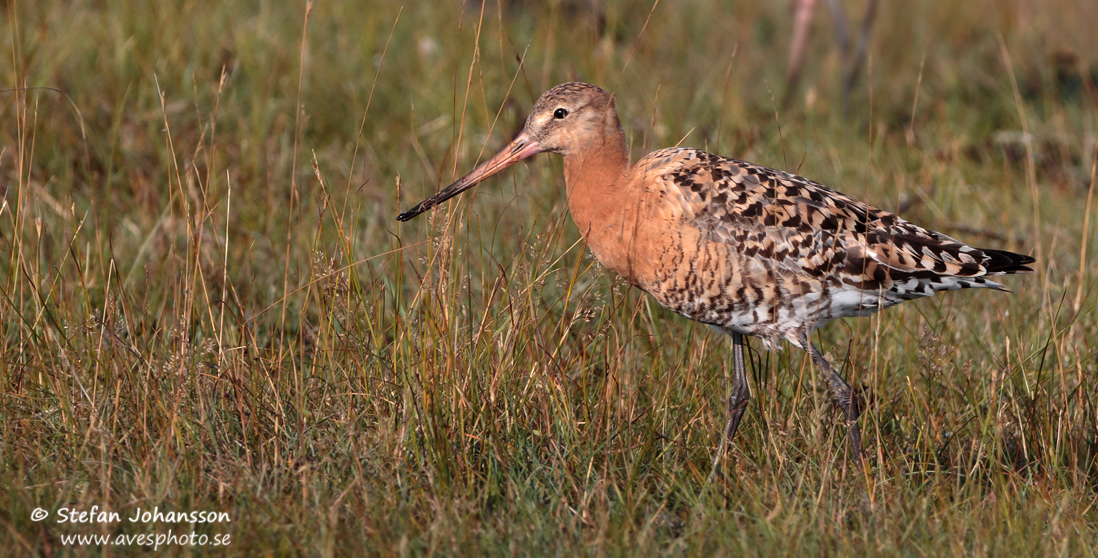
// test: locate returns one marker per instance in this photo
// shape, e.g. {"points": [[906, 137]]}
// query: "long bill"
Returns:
{"points": [[520, 148]]}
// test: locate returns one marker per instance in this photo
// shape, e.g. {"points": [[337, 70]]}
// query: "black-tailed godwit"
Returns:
{"points": [[746, 249]]}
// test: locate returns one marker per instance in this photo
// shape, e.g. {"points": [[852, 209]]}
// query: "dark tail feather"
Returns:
{"points": [[1001, 262]]}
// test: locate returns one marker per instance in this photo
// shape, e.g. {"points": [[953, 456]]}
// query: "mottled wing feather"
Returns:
{"points": [[807, 228]]}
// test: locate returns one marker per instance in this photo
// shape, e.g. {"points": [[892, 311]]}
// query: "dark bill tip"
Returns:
{"points": [[411, 213]]}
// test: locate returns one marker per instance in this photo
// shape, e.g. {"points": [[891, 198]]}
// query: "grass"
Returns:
{"points": [[208, 305]]}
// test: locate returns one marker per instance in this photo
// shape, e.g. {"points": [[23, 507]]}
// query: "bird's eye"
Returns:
{"points": [[560, 113]]}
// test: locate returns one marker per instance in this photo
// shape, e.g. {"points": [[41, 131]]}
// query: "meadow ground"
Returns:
{"points": [[208, 305]]}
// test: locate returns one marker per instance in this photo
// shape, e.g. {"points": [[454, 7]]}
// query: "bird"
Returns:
{"points": [[745, 249]]}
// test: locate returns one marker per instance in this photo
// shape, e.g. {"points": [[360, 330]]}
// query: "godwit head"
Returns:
{"points": [[568, 119]]}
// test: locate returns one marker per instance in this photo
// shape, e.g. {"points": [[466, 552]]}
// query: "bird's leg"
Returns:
{"points": [[737, 402], [844, 396]]}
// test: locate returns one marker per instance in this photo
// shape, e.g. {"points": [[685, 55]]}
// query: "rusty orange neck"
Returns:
{"points": [[599, 197]]}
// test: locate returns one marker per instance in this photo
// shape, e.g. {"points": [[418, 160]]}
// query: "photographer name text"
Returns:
{"points": [[155, 515]]}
